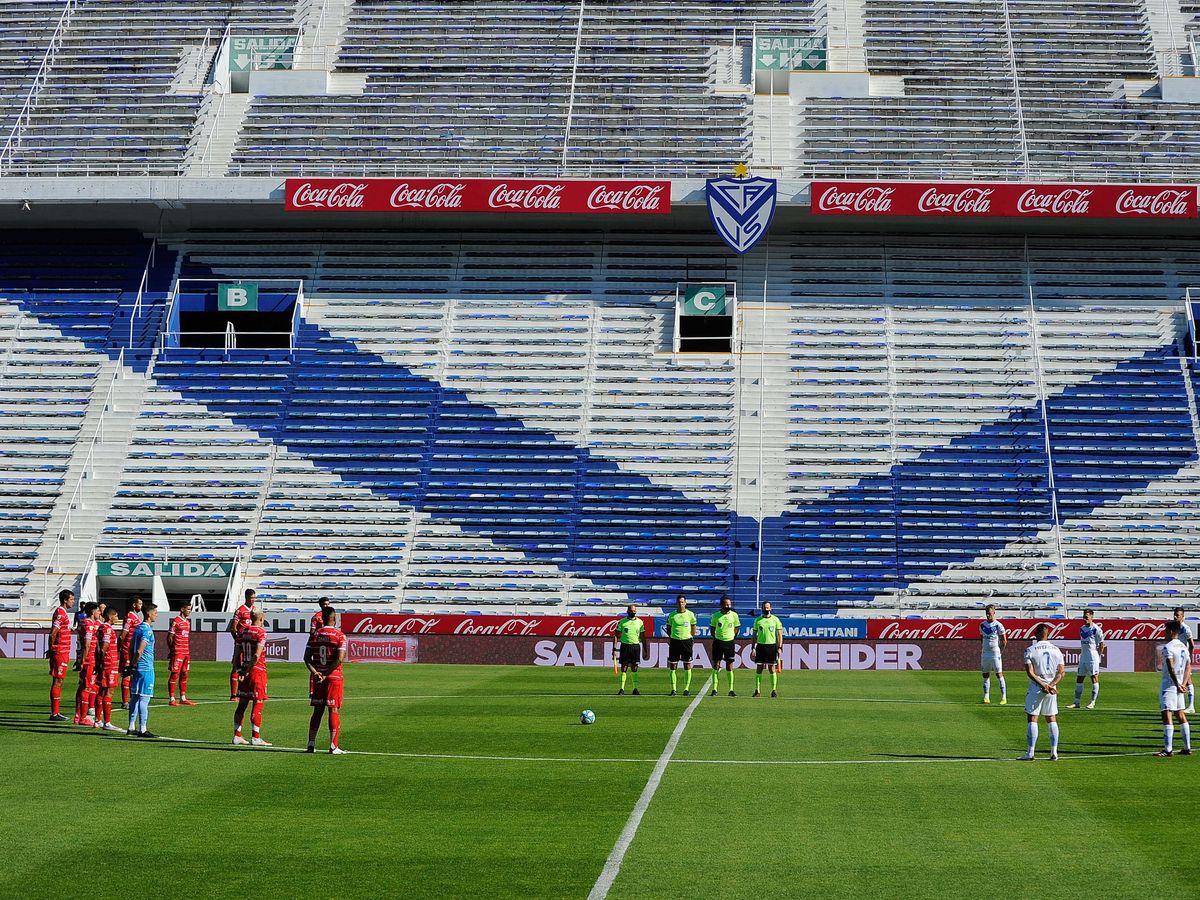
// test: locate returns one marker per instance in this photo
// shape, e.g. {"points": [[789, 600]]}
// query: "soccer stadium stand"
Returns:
{"points": [[460, 427], [492, 415], [982, 88]]}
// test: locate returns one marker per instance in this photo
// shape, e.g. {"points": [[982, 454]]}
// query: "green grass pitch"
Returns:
{"points": [[480, 782]]}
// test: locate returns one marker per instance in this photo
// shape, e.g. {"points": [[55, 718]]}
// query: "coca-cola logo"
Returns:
{"points": [[572, 629], [1058, 631], [445, 195], [1138, 631], [975, 200], [867, 199], [922, 631], [540, 196], [521, 627], [347, 195], [643, 197], [410, 625], [1061, 202], [1166, 202]]}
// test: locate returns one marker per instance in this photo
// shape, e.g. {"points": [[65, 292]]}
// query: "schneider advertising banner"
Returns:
{"points": [[520, 195], [1046, 201]]}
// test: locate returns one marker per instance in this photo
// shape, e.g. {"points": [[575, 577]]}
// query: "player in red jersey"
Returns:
{"points": [[59, 651], [324, 656], [85, 665], [108, 671], [133, 619], [251, 653], [242, 617], [179, 652], [315, 624]]}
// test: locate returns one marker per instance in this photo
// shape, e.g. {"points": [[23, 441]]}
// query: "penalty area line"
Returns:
{"points": [[612, 866]]}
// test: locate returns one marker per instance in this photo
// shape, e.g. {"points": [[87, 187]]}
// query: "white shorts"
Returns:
{"points": [[1088, 665], [1039, 703], [1173, 700], [991, 662]]}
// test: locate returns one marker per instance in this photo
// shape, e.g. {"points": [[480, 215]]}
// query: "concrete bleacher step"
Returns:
{"points": [[215, 135]]}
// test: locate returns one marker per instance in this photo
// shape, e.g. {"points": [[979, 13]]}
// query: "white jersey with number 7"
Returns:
{"points": [[1045, 659]]}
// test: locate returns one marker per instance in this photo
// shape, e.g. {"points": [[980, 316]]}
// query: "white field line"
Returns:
{"points": [[471, 757], [612, 866], [1149, 709]]}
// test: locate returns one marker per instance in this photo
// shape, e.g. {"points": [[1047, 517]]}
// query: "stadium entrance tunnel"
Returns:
{"points": [[168, 582], [211, 314]]}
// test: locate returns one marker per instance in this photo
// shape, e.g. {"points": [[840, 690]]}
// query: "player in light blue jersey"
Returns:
{"points": [[1091, 645], [995, 639], [141, 668], [1185, 638]]}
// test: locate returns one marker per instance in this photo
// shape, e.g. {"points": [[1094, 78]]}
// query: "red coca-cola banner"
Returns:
{"points": [[1016, 629], [514, 626], [914, 198], [534, 195]]}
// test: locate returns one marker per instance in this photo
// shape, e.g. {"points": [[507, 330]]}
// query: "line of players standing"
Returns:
{"points": [[105, 658], [1045, 668], [324, 656]]}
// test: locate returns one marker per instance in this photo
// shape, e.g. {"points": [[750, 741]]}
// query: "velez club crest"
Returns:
{"points": [[741, 208]]}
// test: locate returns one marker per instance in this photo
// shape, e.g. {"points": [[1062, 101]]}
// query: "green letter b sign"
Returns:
{"points": [[237, 297], [705, 300]]}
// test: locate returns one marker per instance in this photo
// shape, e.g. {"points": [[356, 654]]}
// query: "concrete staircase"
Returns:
{"points": [[89, 484], [1167, 30], [774, 135], [847, 35], [216, 134], [193, 67], [324, 25]]}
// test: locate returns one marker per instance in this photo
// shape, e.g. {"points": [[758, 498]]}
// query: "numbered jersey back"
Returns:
{"points": [[326, 644]]}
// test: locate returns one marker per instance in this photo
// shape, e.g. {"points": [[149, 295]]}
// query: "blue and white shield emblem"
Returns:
{"points": [[741, 209]]}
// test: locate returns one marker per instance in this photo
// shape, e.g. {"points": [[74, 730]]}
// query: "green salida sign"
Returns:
{"points": [[261, 51], [790, 53], [122, 568]]}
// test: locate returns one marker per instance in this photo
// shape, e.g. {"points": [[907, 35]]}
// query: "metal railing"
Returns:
{"points": [[136, 312], [353, 168], [87, 471], [229, 337], [1178, 63], [39, 81]]}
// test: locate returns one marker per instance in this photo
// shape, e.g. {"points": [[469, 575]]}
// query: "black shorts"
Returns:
{"points": [[722, 651], [629, 654], [680, 651], [766, 654]]}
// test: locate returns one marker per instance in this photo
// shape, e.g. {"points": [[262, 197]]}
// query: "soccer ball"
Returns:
{"points": [[587, 717]]}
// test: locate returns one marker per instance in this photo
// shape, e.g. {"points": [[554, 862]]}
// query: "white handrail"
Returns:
{"points": [[212, 129], [89, 461], [1016, 83], [1048, 444], [137, 304], [39, 79], [574, 73]]}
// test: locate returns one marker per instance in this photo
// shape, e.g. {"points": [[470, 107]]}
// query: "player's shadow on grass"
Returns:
{"points": [[937, 756]]}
